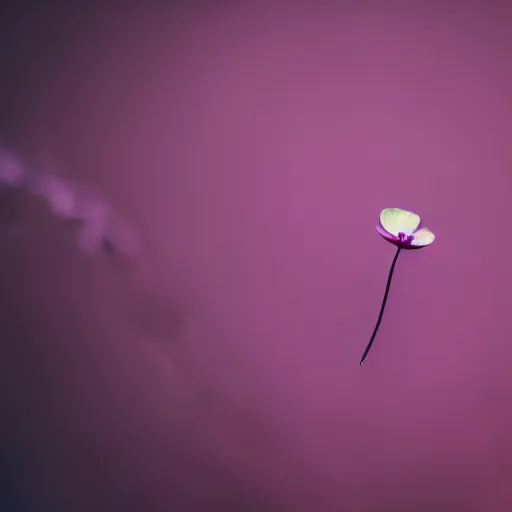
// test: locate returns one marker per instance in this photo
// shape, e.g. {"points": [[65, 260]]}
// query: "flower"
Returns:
{"points": [[400, 228]]}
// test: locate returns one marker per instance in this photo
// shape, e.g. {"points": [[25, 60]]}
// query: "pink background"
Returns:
{"points": [[254, 149]]}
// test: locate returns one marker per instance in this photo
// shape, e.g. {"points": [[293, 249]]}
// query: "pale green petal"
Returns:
{"points": [[423, 237], [396, 220]]}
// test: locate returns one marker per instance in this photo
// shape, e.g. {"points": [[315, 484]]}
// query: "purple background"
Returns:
{"points": [[254, 149]]}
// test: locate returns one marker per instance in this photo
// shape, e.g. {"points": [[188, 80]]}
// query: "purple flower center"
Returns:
{"points": [[405, 238]]}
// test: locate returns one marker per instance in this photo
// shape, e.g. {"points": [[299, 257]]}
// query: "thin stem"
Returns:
{"points": [[382, 307]]}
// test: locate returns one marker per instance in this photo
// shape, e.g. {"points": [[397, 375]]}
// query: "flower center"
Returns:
{"points": [[405, 238]]}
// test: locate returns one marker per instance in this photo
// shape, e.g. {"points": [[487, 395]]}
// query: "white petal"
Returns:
{"points": [[396, 220], [423, 237]]}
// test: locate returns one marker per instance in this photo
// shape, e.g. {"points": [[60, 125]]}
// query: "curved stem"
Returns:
{"points": [[382, 307]]}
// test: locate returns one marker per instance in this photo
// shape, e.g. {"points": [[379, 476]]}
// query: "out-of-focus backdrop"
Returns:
{"points": [[252, 149]]}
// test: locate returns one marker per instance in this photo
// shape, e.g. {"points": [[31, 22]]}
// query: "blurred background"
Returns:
{"points": [[252, 147]]}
